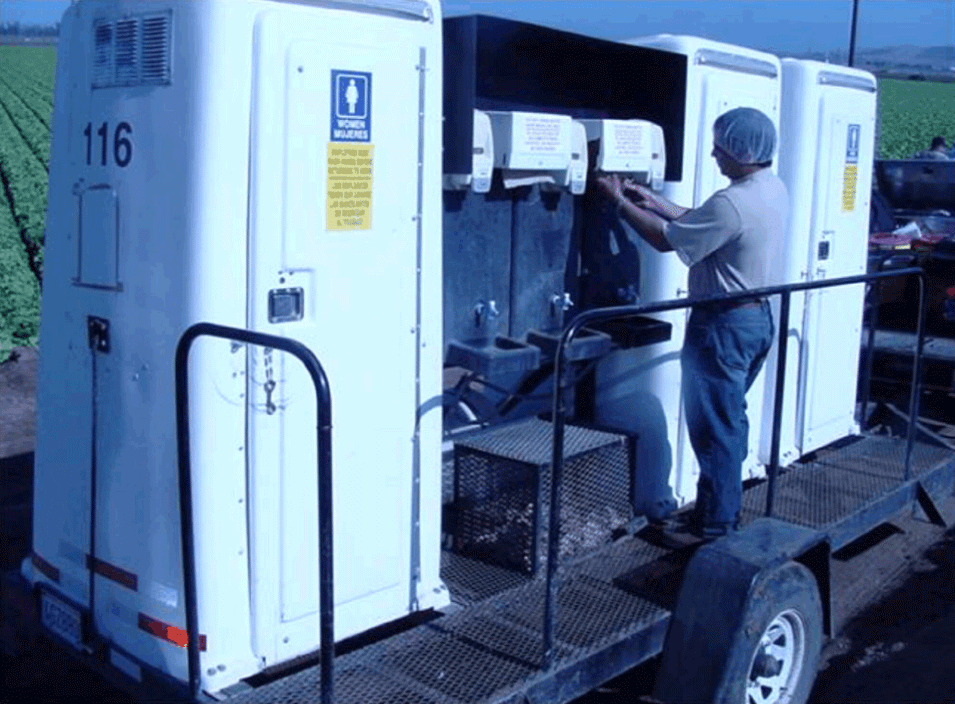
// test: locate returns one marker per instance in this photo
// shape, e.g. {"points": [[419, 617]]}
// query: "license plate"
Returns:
{"points": [[62, 619]]}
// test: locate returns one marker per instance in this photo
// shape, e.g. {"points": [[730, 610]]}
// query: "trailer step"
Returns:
{"points": [[492, 649], [850, 488]]}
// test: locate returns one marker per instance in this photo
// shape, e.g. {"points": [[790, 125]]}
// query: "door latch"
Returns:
{"points": [[98, 333]]}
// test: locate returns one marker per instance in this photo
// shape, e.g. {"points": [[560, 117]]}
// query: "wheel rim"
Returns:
{"points": [[778, 662]]}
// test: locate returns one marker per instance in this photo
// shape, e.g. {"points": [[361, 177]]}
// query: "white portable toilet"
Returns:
{"points": [[639, 389], [266, 165], [825, 159]]}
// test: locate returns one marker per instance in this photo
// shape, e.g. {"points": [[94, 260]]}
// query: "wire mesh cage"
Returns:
{"points": [[501, 497]]}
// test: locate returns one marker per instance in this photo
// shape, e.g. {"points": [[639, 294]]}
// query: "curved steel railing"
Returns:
{"points": [[324, 439], [603, 314]]}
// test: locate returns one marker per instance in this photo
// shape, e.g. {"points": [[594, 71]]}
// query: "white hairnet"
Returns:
{"points": [[746, 134]]}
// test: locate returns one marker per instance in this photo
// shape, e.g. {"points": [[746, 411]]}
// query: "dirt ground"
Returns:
{"points": [[894, 606]]}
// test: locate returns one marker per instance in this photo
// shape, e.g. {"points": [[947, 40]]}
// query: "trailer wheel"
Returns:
{"points": [[775, 656]]}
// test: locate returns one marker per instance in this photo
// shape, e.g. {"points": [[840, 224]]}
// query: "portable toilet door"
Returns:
{"points": [[829, 115], [345, 238]]}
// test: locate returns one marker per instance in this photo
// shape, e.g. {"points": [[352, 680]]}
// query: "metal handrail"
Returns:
{"points": [[602, 314], [324, 439]]}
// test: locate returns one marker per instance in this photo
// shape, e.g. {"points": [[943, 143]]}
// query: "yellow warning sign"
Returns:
{"points": [[349, 186], [849, 178]]}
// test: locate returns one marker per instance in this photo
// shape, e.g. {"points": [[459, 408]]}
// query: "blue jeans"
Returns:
{"points": [[723, 352]]}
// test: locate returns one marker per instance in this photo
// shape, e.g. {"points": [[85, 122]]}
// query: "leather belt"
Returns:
{"points": [[739, 304], [747, 303]]}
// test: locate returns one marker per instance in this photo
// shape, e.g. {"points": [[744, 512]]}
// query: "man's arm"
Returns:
{"points": [[647, 224], [654, 202]]}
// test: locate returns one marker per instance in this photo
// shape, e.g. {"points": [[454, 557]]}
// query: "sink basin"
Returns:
{"points": [[587, 344], [504, 355], [636, 331]]}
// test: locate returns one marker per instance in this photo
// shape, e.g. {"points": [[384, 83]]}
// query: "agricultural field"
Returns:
{"points": [[910, 113], [26, 106]]}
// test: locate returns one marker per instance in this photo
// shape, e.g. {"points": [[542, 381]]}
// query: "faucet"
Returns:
{"points": [[487, 310], [560, 302]]}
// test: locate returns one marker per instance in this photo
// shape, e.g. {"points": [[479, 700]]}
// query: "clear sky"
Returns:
{"points": [[781, 25]]}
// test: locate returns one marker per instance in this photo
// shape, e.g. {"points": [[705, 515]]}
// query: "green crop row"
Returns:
{"points": [[27, 124], [23, 197], [19, 288], [35, 65], [26, 105], [24, 179], [37, 100]]}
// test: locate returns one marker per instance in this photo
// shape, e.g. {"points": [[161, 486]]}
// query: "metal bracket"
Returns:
{"points": [[927, 504], [98, 334]]}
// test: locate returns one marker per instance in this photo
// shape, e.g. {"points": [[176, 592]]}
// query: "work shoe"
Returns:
{"points": [[673, 532], [674, 522]]}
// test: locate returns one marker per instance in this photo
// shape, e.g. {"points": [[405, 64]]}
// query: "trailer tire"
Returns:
{"points": [[774, 656]]}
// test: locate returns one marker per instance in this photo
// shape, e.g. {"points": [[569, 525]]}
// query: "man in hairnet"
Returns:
{"points": [[731, 243]]}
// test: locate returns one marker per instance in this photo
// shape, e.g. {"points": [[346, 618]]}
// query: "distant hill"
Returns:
{"points": [[932, 59]]}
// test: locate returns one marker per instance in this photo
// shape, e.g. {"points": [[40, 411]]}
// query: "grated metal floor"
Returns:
{"points": [[490, 650], [841, 482]]}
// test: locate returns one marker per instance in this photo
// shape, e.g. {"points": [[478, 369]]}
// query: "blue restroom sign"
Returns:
{"points": [[351, 106]]}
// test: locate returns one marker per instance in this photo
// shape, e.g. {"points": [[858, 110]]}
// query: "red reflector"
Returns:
{"points": [[176, 636], [45, 567], [105, 569]]}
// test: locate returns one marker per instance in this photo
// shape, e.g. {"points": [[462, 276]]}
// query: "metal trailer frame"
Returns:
{"points": [[760, 547]]}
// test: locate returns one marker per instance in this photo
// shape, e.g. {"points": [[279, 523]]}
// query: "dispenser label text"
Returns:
{"points": [[628, 139], [544, 134]]}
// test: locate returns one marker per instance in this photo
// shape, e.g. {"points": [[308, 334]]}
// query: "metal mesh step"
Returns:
{"points": [[493, 648], [817, 495], [470, 581], [885, 456], [454, 667], [842, 480]]}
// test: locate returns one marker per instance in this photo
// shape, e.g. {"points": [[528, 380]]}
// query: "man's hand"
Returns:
{"points": [[611, 186], [654, 202], [647, 198]]}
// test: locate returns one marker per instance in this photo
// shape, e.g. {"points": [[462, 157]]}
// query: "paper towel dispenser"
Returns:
{"points": [[482, 159], [574, 178], [531, 147], [531, 141], [633, 147]]}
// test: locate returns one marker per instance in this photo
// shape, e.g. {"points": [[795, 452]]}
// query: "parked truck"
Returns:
{"points": [[312, 269]]}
